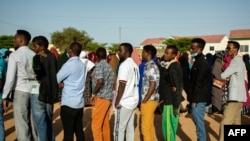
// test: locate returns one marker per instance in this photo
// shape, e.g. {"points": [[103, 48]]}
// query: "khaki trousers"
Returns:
{"points": [[231, 116]]}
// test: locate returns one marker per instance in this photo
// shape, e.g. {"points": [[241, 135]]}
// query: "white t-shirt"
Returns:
{"points": [[129, 72], [89, 64]]}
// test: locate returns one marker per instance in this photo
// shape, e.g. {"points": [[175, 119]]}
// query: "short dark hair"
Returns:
{"points": [[101, 53], [150, 49], [201, 43], [128, 47], [235, 44], [174, 49], [26, 35], [41, 41], [76, 48]]}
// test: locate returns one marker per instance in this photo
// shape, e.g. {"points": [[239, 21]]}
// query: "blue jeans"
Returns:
{"points": [[42, 114], [2, 135], [198, 113]]}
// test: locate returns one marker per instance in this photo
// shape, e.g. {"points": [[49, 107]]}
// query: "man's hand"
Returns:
{"points": [[144, 101], [61, 85], [159, 104], [120, 91], [42, 53], [174, 89], [176, 111], [117, 105], [93, 98], [5, 105]]}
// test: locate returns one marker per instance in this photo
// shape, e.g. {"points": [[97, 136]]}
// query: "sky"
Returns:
{"points": [[133, 21]]}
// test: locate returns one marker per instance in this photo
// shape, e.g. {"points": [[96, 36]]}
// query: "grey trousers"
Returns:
{"points": [[22, 117], [124, 121]]}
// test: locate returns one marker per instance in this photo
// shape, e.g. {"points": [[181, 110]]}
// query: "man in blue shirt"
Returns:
{"points": [[72, 78]]}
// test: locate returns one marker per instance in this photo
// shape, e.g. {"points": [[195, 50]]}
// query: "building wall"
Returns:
{"points": [[157, 46], [222, 46], [217, 46], [245, 43]]}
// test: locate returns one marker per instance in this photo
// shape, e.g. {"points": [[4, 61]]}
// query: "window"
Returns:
{"points": [[211, 48], [244, 48]]}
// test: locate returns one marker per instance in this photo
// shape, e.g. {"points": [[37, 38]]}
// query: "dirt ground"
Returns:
{"points": [[186, 128]]}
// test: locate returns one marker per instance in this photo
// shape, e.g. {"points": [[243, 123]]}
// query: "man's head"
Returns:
{"points": [[124, 51], [101, 53], [197, 46], [40, 43], [232, 48], [170, 53], [74, 49], [21, 38], [148, 52]]}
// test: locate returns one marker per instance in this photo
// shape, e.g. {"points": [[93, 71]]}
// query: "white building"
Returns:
{"points": [[243, 37], [156, 42], [214, 43]]}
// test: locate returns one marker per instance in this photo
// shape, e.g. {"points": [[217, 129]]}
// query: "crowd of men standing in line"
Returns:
{"points": [[35, 80]]}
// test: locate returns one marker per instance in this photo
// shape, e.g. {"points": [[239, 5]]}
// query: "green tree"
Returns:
{"points": [[6, 41], [183, 44], [93, 46], [114, 47], [62, 39]]}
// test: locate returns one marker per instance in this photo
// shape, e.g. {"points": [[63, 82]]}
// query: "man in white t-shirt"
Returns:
{"points": [[127, 94]]}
